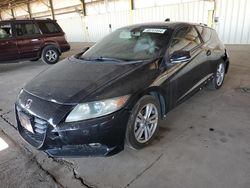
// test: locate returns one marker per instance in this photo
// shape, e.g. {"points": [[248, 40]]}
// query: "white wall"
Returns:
{"points": [[234, 21], [107, 6], [97, 26], [73, 27], [233, 26]]}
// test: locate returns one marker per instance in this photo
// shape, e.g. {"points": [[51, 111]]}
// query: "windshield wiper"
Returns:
{"points": [[102, 58]]}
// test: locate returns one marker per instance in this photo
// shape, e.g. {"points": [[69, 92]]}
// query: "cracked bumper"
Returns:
{"points": [[103, 136], [98, 137]]}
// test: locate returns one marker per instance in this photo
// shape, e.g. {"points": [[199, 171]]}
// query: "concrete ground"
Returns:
{"points": [[204, 142], [19, 168]]}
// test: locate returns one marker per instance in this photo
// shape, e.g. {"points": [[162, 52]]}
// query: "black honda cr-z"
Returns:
{"points": [[117, 91]]}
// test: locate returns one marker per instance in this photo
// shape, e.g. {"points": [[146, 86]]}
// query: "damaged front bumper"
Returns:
{"points": [[103, 136]]}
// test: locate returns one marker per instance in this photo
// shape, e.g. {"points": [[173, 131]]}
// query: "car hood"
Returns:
{"points": [[71, 80]]}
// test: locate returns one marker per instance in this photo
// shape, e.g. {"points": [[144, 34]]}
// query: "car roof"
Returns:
{"points": [[28, 20], [171, 25]]}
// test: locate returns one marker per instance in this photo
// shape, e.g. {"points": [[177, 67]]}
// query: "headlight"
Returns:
{"points": [[96, 109]]}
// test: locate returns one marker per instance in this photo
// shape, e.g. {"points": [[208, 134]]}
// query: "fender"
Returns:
{"points": [[155, 91]]}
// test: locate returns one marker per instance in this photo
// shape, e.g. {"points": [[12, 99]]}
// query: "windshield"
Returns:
{"points": [[129, 45]]}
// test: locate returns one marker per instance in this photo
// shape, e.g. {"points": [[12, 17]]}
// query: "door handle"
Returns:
{"points": [[4, 43], [34, 40], [208, 52]]}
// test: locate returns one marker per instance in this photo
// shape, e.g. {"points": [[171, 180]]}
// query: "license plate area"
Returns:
{"points": [[25, 122]]}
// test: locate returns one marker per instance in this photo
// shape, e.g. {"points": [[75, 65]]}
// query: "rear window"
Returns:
{"points": [[205, 33], [5, 30], [49, 27]]}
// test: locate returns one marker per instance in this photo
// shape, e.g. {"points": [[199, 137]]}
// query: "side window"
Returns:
{"points": [[26, 29], [49, 27], [205, 33], [185, 38], [5, 30]]}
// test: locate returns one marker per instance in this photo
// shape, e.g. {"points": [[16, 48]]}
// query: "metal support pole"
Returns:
{"points": [[83, 8], [211, 13], [29, 10], [131, 10], [12, 13], [52, 9], [132, 6]]}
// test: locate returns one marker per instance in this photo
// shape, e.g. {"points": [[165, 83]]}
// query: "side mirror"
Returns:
{"points": [[180, 57], [82, 52]]}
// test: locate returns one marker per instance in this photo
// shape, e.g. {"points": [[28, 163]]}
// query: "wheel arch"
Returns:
{"points": [[54, 44], [226, 60], [157, 93]]}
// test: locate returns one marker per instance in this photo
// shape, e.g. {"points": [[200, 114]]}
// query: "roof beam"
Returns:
{"points": [[47, 5], [12, 3]]}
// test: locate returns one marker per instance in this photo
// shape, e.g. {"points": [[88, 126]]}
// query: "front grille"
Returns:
{"points": [[39, 128], [40, 125]]}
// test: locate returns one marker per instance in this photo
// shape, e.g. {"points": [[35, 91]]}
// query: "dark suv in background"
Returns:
{"points": [[32, 40]]}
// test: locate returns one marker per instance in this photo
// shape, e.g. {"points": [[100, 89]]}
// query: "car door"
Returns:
{"points": [[29, 39], [8, 44], [188, 74], [210, 49]]}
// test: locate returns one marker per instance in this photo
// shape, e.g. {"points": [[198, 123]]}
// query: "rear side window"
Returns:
{"points": [[49, 27], [26, 29], [185, 38], [205, 33], [5, 30]]}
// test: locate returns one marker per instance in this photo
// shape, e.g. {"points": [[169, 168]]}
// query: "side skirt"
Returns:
{"points": [[197, 87]]}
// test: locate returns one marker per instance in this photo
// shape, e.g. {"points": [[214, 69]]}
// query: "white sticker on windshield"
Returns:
{"points": [[152, 30]]}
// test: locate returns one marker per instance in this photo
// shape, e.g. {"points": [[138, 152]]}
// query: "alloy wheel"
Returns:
{"points": [[220, 73], [146, 123], [51, 55]]}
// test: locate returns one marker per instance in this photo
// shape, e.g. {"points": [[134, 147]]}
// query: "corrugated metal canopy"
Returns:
{"points": [[12, 3]]}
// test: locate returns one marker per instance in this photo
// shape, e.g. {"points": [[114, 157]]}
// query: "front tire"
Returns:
{"points": [[143, 123], [218, 78], [50, 55]]}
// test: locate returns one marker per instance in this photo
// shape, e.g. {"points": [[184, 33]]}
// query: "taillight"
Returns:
{"points": [[65, 36]]}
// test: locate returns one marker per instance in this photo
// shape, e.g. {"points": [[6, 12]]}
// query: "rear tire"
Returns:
{"points": [[143, 123], [50, 54], [218, 78]]}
